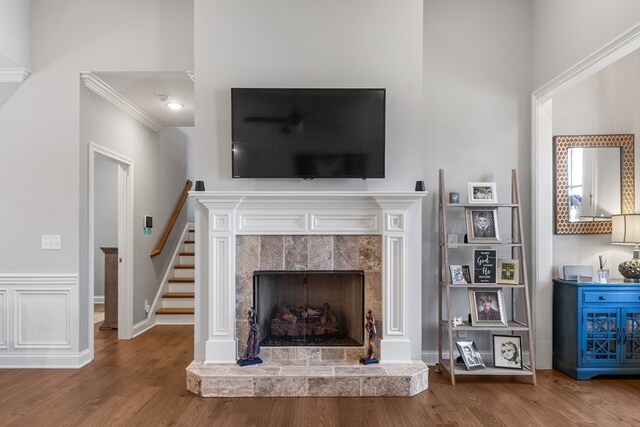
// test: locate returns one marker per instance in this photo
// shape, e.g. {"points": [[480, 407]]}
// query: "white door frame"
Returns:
{"points": [[125, 239], [542, 183]]}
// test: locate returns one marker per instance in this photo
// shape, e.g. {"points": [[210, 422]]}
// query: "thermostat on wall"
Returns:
{"points": [[148, 224]]}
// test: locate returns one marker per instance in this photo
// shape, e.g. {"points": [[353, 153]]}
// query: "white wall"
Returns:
{"points": [[15, 33], [567, 31], [607, 102], [43, 167], [476, 120], [106, 217], [189, 133], [476, 90], [306, 43]]}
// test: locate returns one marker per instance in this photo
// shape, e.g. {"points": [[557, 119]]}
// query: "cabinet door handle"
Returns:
{"points": [[602, 298]]}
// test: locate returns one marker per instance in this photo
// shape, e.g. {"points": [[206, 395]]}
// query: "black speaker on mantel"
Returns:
{"points": [[419, 185], [199, 185]]}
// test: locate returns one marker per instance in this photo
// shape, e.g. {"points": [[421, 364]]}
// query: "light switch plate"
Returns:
{"points": [[51, 242]]}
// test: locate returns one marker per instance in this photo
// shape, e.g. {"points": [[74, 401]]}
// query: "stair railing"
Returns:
{"points": [[172, 221]]}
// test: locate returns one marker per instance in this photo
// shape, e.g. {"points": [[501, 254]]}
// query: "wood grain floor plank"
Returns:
{"points": [[143, 382]]}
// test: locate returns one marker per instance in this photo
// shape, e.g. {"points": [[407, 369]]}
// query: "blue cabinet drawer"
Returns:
{"points": [[611, 296]]}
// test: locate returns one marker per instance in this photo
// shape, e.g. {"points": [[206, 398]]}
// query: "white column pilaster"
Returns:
{"points": [[220, 346]]}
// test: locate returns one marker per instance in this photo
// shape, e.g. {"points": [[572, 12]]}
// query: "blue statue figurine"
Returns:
{"points": [[370, 328], [251, 355]]}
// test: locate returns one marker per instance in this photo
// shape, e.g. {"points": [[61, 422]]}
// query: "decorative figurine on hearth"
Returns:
{"points": [[370, 328], [251, 355]]}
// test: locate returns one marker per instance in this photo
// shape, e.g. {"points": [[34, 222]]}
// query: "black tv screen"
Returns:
{"points": [[308, 133]]}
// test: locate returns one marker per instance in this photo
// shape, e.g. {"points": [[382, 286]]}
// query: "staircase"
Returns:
{"points": [[177, 303]]}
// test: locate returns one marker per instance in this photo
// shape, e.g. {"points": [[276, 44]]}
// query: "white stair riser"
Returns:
{"points": [[177, 302], [183, 272], [187, 259], [174, 319], [188, 247], [181, 287]]}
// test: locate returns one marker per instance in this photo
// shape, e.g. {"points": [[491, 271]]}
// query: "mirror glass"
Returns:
{"points": [[593, 183], [594, 179]]}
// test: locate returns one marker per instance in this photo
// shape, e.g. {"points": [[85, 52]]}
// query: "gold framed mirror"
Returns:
{"points": [[594, 179]]}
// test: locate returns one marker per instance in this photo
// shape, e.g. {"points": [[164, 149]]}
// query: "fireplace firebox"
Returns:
{"points": [[309, 308]]}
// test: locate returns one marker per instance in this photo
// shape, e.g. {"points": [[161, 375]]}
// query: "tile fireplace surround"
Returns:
{"points": [[239, 232]]}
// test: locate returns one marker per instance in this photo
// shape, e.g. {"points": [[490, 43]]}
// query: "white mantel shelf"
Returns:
{"points": [[306, 194], [223, 215]]}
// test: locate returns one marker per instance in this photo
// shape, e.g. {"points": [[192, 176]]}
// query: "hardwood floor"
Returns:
{"points": [[142, 382]]}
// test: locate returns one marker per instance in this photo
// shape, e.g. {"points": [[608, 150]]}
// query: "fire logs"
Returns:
{"points": [[303, 321]]}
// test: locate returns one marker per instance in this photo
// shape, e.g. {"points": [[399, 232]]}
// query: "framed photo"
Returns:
{"points": [[482, 192], [458, 276], [466, 273], [470, 355], [507, 351], [484, 266], [487, 307], [482, 225], [508, 271]]}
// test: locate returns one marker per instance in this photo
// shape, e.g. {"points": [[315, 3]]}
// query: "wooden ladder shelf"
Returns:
{"points": [[519, 316]]}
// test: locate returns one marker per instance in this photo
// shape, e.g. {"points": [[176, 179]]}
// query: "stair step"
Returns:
{"points": [[189, 241], [185, 266], [181, 287], [179, 295], [182, 280], [187, 254], [176, 310]]}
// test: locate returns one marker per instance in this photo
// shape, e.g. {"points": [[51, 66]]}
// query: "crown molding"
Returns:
{"points": [[192, 75], [100, 87], [606, 55], [13, 75]]}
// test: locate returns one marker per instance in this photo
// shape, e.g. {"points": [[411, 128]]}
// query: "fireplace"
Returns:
{"points": [[240, 232], [377, 234], [309, 308]]}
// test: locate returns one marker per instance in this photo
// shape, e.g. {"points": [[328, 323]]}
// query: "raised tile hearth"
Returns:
{"points": [[310, 377]]}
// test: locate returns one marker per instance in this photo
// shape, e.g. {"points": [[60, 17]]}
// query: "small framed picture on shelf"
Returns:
{"points": [[466, 273], [487, 307], [508, 271], [507, 351], [482, 192], [484, 266], [482, 225], [458, 276], [470, 355]]}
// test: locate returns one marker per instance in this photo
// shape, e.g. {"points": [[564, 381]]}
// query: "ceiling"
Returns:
{"points": [[143, 88]]}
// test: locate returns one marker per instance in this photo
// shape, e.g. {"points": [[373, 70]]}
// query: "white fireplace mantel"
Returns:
{"points": [[222, 215]]}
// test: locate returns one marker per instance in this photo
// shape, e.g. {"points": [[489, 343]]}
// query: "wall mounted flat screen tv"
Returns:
{"points": [[308, 133]]}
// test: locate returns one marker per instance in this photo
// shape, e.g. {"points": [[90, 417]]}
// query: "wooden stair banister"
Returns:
{"points": [[174, 217]]}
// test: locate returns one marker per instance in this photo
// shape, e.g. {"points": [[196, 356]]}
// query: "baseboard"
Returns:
{"points": [[142, 327], [430, 357], [98, 299], [45, 360]]}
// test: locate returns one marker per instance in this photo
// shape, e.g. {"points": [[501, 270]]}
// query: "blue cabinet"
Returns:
{"points": [[596, 328]]}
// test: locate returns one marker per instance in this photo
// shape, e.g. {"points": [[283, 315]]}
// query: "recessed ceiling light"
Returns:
{"points": [[175, 106]]}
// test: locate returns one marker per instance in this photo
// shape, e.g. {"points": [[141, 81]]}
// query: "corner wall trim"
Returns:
{"points": [[13, 75], [100, 87], [142, 327]]}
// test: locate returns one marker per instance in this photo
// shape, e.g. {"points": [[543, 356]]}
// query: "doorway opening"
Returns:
{"points": [[111, 212]]}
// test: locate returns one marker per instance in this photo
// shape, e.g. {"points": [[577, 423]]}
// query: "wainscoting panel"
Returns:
{"points": [[39, 317], [4, 320], [42, 318]]}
